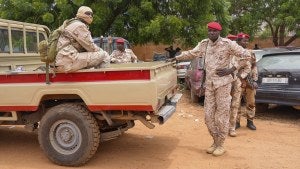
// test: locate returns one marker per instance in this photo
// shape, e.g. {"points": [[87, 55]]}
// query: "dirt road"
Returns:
{"points": [[178, 144]]}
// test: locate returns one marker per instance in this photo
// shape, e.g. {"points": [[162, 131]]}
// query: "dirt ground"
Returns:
{"points": [[178, 144]]}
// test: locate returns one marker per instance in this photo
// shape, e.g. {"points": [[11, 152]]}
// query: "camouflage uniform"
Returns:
{"points": [[249, 97], [77, 49], [217, 89], [243, 69], [127, 56]]}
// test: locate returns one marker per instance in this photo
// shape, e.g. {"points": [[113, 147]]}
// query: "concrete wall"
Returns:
{"points": [[146, 52]]}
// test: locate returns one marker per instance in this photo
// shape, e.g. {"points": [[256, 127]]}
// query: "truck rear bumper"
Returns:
{"points": [[168, 110]]}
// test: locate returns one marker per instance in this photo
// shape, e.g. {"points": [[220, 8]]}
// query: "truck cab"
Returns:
{"points": [[19, 45]]}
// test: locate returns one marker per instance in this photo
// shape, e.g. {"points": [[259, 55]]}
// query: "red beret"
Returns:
{"points": [[243, 35], [120, 40], [231, 37], [214, 25]]}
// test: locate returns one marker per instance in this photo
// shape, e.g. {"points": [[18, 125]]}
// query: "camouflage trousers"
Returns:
{"points": [[249, 113], [82, 60], [236, 93], [217, 110]]}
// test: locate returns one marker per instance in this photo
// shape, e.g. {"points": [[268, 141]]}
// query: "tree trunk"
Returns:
{"points": [[290, 40], [281, 35], [275, 36]]}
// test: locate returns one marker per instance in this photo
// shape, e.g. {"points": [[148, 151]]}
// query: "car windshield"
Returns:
{"points": [[281, 62], [258, 54]]}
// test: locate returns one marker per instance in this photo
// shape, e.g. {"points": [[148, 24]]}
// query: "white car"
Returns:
{"points": [[181, 69]]}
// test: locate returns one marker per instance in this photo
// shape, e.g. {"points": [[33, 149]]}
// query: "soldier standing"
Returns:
{"points": [[249, 87], [76, 49], [243, 69], [216, 52], [122, 55]]}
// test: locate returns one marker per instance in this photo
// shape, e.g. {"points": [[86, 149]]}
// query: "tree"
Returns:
{"points": [[139, 21], [280, 16]]}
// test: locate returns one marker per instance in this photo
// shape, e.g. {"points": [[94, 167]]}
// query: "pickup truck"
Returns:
{"points": [[74, 112]]}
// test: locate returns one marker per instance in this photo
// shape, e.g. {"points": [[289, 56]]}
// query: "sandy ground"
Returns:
{"points": [[178, 144]]}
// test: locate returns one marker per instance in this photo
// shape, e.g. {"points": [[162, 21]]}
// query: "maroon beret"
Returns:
{"points": [[243, 35], [231, 37], [214, 25], [120, 40]]}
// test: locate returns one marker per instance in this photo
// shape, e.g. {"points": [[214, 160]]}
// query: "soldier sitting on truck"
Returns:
{"points": [[122, 55], [76, 49]]}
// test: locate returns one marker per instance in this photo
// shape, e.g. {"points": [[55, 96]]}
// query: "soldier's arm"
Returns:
{"points": [[133, 56], [84, 38], [254, 72], [239, 51], [112, 57], [246, 70], [198, 51]]}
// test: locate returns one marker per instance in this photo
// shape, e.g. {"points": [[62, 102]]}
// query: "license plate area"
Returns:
{"points": [[275, 80]]}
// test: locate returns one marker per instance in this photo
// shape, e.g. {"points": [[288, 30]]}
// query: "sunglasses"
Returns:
{"points": [[89, 13]]}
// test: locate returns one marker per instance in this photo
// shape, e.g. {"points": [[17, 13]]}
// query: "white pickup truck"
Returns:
{"points": [[74, 112]]}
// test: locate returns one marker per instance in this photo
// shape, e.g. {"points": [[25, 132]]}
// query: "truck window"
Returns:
{"points": [[41, 37], [31, 42], [17, 41], [4, 44]]}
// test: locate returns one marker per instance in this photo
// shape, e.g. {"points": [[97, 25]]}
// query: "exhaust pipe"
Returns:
{"points": [[167, 111]]}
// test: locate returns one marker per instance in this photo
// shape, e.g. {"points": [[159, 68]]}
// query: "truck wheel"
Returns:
{"points": [[69, 134], [194, 97]]}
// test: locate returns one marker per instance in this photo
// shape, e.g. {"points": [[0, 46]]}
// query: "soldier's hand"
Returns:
{"points": [[225, 71], [113, 60], [255, 86]]}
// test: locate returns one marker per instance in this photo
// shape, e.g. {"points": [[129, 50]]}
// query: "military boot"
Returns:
{"points": [[250, 124], [212, 148], [220, 150], [232, 133]]}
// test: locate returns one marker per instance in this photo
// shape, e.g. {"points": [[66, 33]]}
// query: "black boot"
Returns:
{"points": [[237, 125], [250, 125]]}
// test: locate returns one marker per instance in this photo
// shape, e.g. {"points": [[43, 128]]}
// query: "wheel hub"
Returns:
{"points": [[65, 136]]}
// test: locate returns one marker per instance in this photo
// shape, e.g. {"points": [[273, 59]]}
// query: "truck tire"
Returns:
{"points": [[194, 97], [69, 134]]}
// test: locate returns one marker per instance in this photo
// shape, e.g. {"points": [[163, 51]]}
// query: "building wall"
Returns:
{"points": [[146, 52]]}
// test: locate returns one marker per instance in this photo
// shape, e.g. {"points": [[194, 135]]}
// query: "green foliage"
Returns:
{"points": [[281, 16], [48, 18], [139, 21]]}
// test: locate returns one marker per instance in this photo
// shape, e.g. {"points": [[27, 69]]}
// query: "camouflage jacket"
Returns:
{"points": [[126, 56], [217, 56]]}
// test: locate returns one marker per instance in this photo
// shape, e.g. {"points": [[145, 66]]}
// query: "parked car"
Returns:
{"points": [[260, 52], [278, 80], [159, 56], [194, 78], [182, 69]]}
